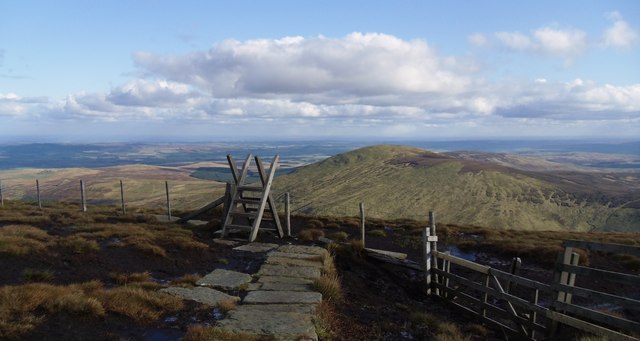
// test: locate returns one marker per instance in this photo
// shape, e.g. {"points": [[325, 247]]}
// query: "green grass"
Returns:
{"points": [[494, 198]]}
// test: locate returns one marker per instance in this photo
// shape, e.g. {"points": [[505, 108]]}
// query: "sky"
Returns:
{"points": [[102, 71]]}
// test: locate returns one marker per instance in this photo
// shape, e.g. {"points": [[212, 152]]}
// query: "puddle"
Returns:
{"points": [[163, 335], [217, 314], [455, 251]]}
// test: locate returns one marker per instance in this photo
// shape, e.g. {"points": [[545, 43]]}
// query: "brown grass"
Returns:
{"points": [[329, 286], [37, 275], [139, 304], [338, 236], [127, 278], [23, 239], [310, 234], [197, 332], [377, 233], [187, 279], [326, 321], [78, 244], [227, 305]]}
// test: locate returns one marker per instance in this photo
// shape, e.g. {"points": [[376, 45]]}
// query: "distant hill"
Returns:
{"points": [[465, 188]]}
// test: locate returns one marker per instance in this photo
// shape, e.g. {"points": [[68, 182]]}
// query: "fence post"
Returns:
{"points": [[362, 223], [38, 193], [434, 247], [166, 186], [287, 214], [228, 192], [426, 258], [83, 200], [124, 210], [516, 263], [571, 281], [1, 196], [562, 277]]}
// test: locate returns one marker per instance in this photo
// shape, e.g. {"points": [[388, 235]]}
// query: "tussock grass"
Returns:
{"points": [[332, 226], [310, 234], [37, 275], [198, 332], [78, 244], [448, 331], [329, 286], [377, 233], [128, 278], [315, 223], [227, 305], [338, 236], [23, 239], [139, 304], [326, 321], [186, 280]]}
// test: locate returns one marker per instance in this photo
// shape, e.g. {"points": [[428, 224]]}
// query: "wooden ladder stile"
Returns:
{"points": [[250, 208]]}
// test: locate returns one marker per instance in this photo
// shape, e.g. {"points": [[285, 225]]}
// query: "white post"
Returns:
{"points": [[362, 222], [83, 200], [426, 258], [287, 214]]}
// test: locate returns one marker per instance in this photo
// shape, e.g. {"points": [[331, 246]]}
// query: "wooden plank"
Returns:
{"points": [[505, 296], [124, 209], [264, 199], [362, 226], [609, 275], [520, 280], [239, 180], [589, 327], [512, 310], [601, 317], [391, 260], [203, 209], [426, 260], [593, 294], [605, 247], [250, 188], [166, 185], [287, 214], [83, 199], [397, 255], [270, 201], [463, 262]]}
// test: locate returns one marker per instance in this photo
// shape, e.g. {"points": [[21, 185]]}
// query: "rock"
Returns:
{"points": [[280, 279], [203, 295], [279, 325], [225, 279], [289, 271], [307, 256], [293, 261], [276, 297], [256, 247], [290, 308], [225, 242], [312, 250], [275, 286]]}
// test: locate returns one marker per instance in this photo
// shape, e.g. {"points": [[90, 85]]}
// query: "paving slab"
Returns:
{"points": [[289, 271], [225, 279], [288, 308], [254, 286], [280, 279], [279, 297], [276, 325], [293, 261], [275, 286], [203, 295], [313, 250], [225, 242], [256, 247], [307, 256]]}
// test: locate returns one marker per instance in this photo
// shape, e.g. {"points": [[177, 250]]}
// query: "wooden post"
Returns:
{"points": [[124, 210], [446, 266], [1, 196], [362, 223], [533, 314], [571, 281], [516, 263], [567, 258], [434, 247], [83, 200], [228, 192], [166, 185], [287, 214], [426, 257], [485, 297], [38, 193]]}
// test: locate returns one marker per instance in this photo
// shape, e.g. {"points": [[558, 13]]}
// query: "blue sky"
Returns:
{"points": [[204, 70]]}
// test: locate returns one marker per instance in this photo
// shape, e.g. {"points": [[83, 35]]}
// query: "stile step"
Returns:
{"points": [[251, 188]]}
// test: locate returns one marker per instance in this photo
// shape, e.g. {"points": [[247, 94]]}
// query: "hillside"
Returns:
{"points": [[405, 182]]}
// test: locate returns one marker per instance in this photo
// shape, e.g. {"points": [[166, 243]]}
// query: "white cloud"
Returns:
{"points": [[478, 39], [140, 92], [515, 40], [566, 43], [369, 64], [620, 34]]}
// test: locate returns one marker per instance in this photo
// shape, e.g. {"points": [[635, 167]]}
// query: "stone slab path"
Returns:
{"points": [[281, 301]]}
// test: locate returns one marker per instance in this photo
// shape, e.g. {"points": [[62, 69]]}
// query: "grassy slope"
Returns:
{"points": [[486, 198], [144, 185]]}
